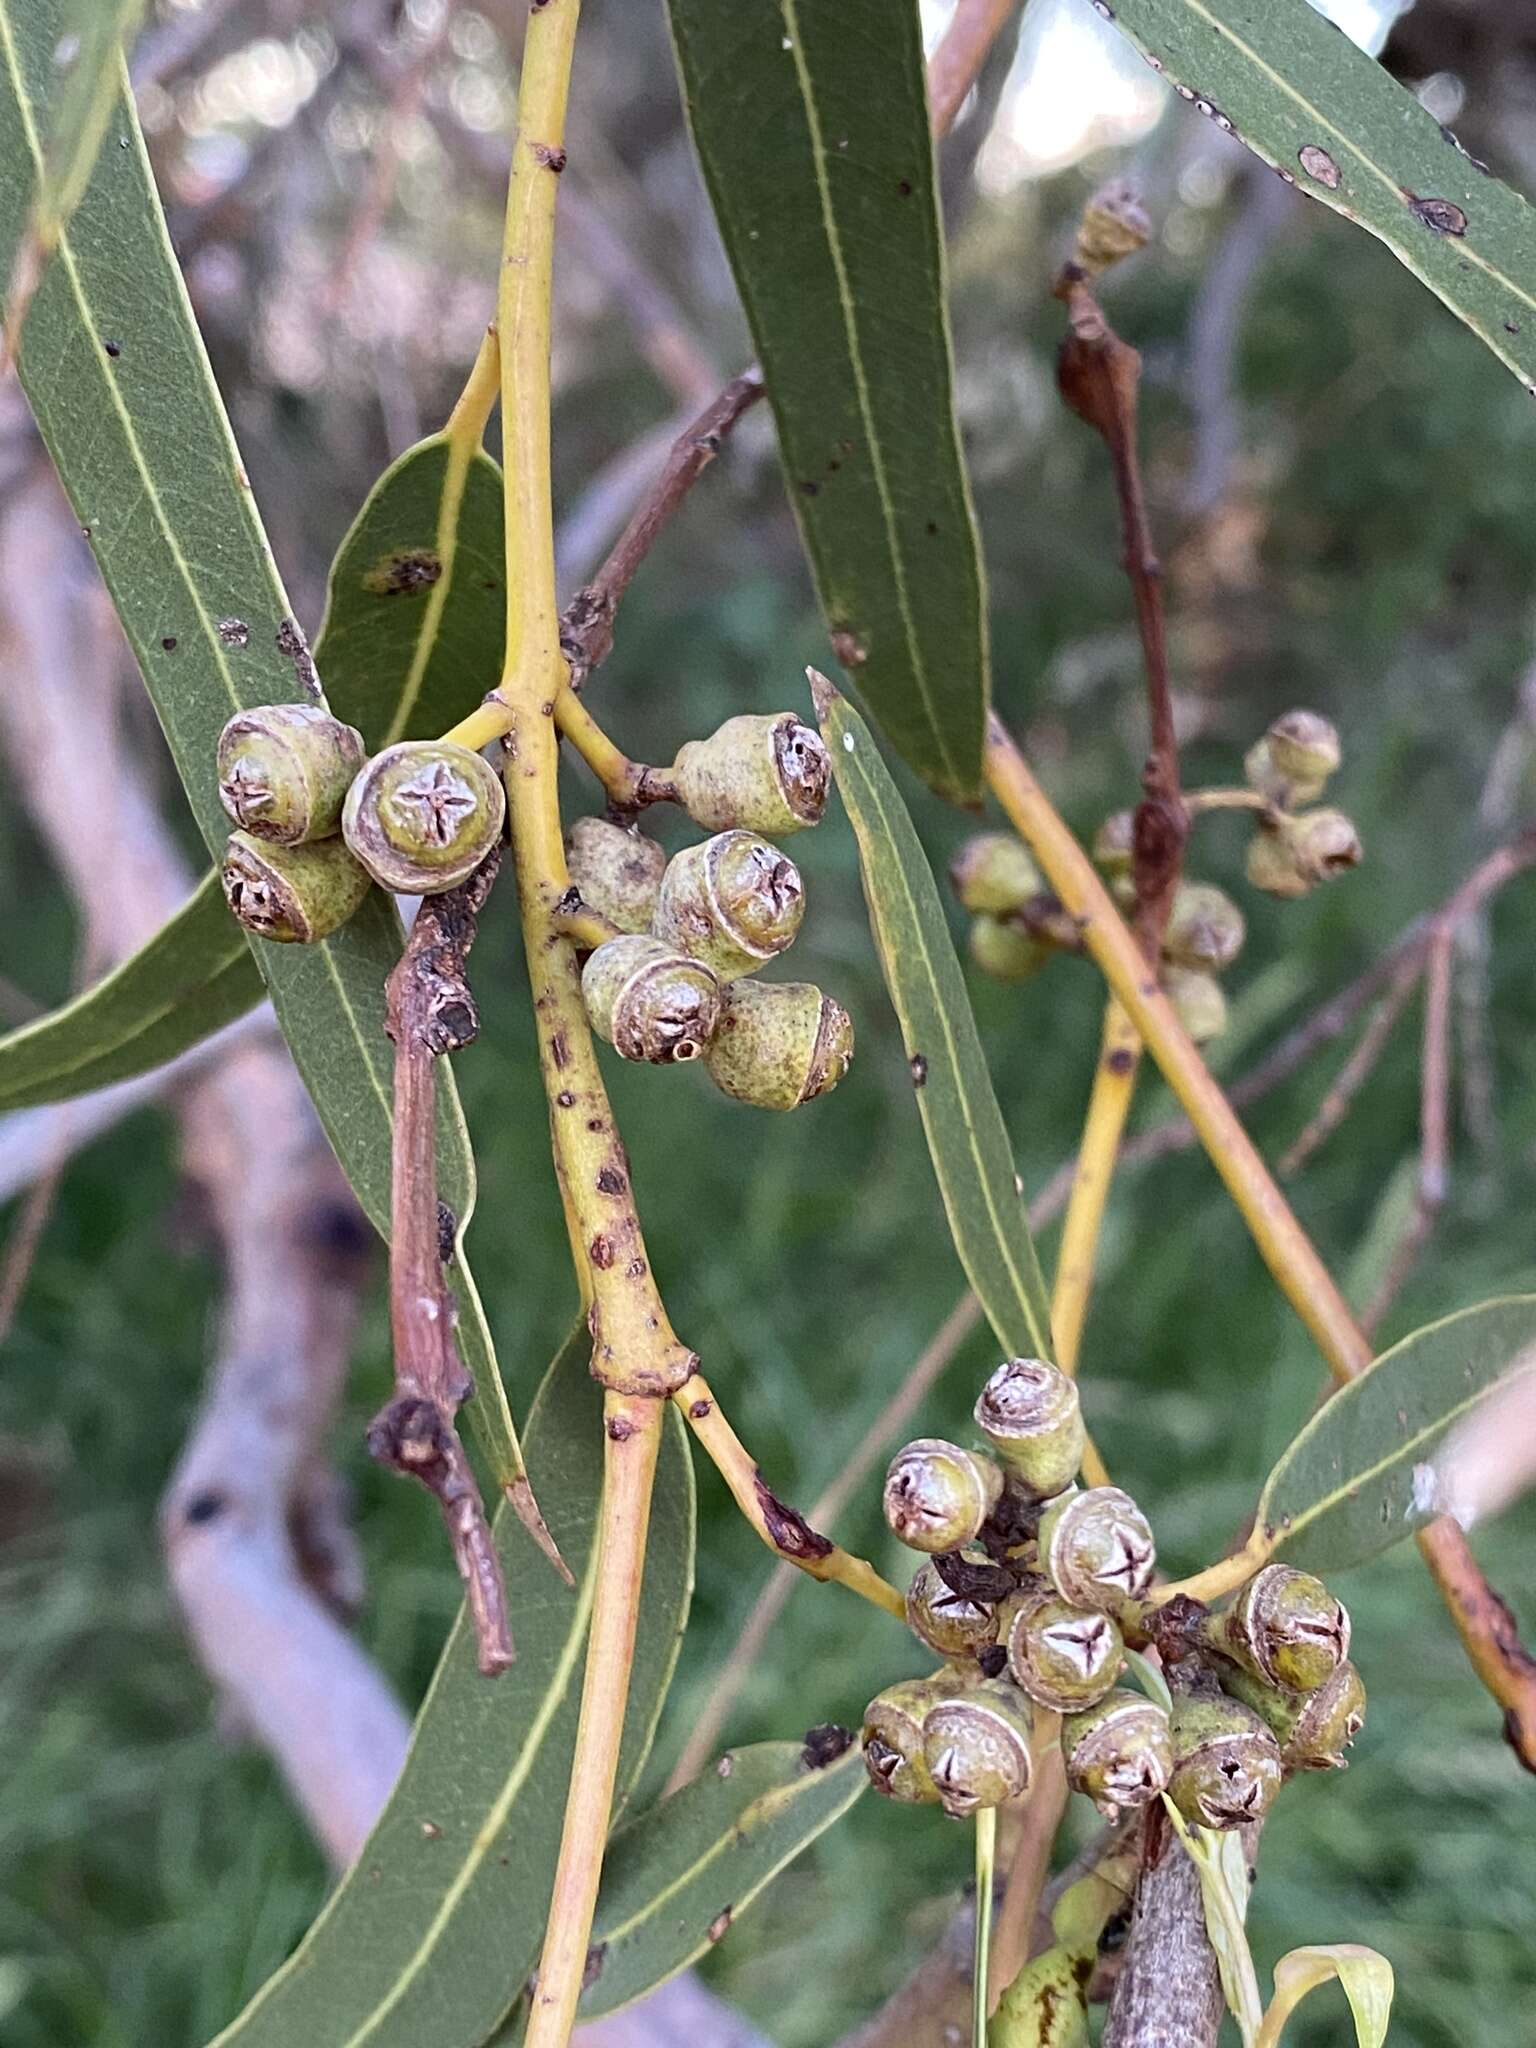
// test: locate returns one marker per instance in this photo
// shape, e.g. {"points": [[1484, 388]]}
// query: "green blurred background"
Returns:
{"points": [[1346, 498]]}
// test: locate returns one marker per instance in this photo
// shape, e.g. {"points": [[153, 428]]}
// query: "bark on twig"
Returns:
{"points": [[431, 1012], [1168, 1994]]}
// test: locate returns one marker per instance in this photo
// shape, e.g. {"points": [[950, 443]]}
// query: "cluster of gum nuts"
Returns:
{"points": [[1031, 1590], [317, 821], [1018, 925]]}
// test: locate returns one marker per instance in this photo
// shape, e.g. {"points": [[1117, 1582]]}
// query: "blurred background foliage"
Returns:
{"points": [[1344, 488]]}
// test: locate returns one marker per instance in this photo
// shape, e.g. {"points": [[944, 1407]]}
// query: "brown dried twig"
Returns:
{"points": [[431, 1012]]}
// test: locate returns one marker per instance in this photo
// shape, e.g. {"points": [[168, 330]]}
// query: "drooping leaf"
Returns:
{"points": [[72, 120], [677, 1876], [961, 1120], [430, 1935], [1365, 1976], [1360, 1476], [1341, 129], [192, 978], [811, 124]]}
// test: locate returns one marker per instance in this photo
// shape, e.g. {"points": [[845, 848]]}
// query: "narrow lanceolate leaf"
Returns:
{"points": [[679, 1875], [811, 124], [1341, 129], [89, 41], [431, 1934], [1362, 1474], [195, 976], [961, 1120], [124, 396]]}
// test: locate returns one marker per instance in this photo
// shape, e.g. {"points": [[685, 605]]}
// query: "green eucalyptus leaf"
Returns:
{"points": [[192, 978], [1303, 97], [143, 446], [1360, 1476], [811, 124], [431, 1934], [967, 1138]]}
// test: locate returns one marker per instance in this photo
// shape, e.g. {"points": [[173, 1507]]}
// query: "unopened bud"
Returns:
{"points": [[1064, 1656], [1286, 1627], [977, 1748], [1114, 843], [766, 774], [285, 769], [1289, 856], [1097, 1549], [1120, 1752], [1198, 1001], [1114, 225], [947, 1621], [733, 902], [1205, 930], [1030, 1414], [423, 815], [1291, 765], [779, 1043], [937, 1496], [617, 871], [1226, 1763], [1005, 951], [292, 894], [993, 873], [650, 1002]]}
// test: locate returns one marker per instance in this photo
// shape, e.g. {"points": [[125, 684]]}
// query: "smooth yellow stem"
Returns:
{"points": [[488, 721], [1196, 800], [1221, 1578], [631, 1441], [624, 781], [1114, 1084]]}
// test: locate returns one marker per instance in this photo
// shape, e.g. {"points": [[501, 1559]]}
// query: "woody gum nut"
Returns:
{"points": [[285, 769], [937, 1496], [977, 1748], [732, 902], [1199, 1002], [1292, 855], [1120, 1753], [1304, 748], [994, 875], [1313, 1729], [649, 1002], [423, 815], [1226, 1763], [617, 871], [291, 894], [892, 1737], [1030, 1414], [779, 1043], [945, 1620], [1065, 1657], [1284, 1626], [1006, 951], [1097, 1548], [1206, 929], [766, 774]]}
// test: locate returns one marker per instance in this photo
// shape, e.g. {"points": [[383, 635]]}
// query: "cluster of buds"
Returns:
{"points": [[1030, 1589], [675, 982], [1017, 925], [1203, 936], [316, 820], [1295, 847]]}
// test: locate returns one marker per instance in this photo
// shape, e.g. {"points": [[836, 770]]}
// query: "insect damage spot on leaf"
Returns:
{"points": [[824, 1744], [403, 573], [234, 632], [1442, 216], [1317, 163], [720, 1923], [918, 1066]]}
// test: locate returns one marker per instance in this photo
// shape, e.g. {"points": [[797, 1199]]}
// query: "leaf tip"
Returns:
{"points": [[520, 1494], [824, 693]]}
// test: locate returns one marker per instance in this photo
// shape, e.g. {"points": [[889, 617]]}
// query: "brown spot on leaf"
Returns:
{"points": [[720, 1923], [824, 1744], [918, 1067], [403, 573], [849, 648], [600, 1251], [1317, 163], [610, 1182], [234, 632], [1441, 216]]}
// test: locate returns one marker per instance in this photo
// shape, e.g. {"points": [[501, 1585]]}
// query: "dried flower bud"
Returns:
{"points": [[1120, 1753], [1289, 856], [291, 893], [1114, 225], [1114, 843], [1205, 930], [285, 769], [1006, 951], [649, 1002], [767, 774], [617, 870], [1284, 1626], [733, 902], [945, 1620], [1097, 1548], [1064, 1656], [937, 1496], [1198, 1000], [893, 1739], [423, 815], [1313, 1730], [977, 1749], [1226, 1764], [994, 874], [779, 1043], [1030, 1414], [1292, 763]]}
